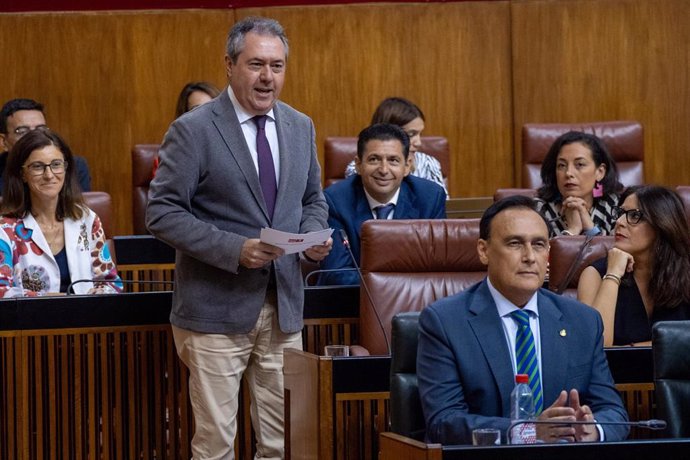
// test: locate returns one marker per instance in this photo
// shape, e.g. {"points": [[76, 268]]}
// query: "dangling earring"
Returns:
{"points": [[598, 190]]}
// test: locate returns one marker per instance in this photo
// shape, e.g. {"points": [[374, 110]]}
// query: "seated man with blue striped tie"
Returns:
{"points": [[382, 189], [470, 344]]}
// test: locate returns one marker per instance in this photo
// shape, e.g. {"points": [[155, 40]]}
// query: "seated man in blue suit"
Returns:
{"points": [[382, 189], [466, 359]]}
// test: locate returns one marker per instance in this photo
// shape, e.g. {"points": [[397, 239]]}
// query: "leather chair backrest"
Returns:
{"points": [[564, 251], [506, 192], [143, 156], [670, 345], [340, 151], [408, 264], [407, 418], [624, 140], [102, 205]]}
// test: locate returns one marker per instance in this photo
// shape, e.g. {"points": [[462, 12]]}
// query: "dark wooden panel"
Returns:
{"points": [[579, 61]]}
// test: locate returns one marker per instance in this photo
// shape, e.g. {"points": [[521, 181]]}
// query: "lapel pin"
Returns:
{"points": [[563, 333]]}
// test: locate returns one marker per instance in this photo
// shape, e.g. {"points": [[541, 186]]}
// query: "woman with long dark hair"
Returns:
{"points": [[580, 186], [646, 276]]}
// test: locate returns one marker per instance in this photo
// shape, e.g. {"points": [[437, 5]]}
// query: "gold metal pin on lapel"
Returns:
{"points": [[563, 333]]}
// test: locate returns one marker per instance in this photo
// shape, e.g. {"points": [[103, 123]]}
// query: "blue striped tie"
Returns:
{"points": [[526, 357], [383, 211]]}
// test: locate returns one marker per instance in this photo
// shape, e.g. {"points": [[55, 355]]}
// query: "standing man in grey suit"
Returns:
{"points": [[239, 163]]}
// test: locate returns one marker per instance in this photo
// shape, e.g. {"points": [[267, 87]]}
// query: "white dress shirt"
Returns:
{"points": [[505, 307], [249, 130], [373, 204]]}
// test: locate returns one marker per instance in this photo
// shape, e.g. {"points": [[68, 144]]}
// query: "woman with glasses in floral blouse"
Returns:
{"points": [[49, 238], [646, 276]]}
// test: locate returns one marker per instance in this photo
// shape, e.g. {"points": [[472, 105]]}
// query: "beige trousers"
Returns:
{"points": [[216, 364]]}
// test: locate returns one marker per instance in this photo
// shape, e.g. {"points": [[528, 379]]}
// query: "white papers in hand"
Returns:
{"points": [[294, 242]]}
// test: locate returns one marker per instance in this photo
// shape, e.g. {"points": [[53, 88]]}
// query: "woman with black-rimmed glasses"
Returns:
{"points": [[48, 236], [646, 276]]}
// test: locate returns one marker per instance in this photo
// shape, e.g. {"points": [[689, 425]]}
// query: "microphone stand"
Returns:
{"points": [[70, 287], [346, 243], [325, 270], [652, 424]]}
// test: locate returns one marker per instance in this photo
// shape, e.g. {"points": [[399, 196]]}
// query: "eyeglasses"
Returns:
{"points": [[633, 216], [38, 169], [22, 130]]}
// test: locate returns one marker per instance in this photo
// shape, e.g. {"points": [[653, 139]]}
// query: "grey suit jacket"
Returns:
{"points": [[466, 376], [206, 201]]}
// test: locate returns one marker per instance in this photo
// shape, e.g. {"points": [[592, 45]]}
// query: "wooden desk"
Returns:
{"points": [[337, 407], [334, 407], [98, 376], [465, 208], [396, 447], [91, 377], [144, 263]]}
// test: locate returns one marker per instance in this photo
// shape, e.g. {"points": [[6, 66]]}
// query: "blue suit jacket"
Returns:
{"points": [[348, 208], [466, 376]]}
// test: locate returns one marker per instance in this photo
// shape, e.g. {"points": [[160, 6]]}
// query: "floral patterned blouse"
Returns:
{"points": [[28, 268]]}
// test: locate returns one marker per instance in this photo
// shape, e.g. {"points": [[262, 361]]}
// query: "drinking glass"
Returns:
{"points": [[486, 437], [337, 350]]}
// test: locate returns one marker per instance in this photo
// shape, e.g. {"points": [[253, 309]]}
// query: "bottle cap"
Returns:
{"points": [[521, 378]]}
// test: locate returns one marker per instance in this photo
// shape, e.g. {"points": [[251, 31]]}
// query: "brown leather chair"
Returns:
{"points": [[624, 140], [564, 251], [143, 156], [102, 205], [506, 192], [340, 151], [407, 265]]}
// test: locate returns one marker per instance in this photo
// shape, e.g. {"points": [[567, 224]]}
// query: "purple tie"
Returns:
{"points": [[267, 172]]}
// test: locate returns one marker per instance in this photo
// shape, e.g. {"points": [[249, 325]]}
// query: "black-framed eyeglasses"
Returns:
{"points": [[633, 216], [38, 168], [22, 130]]}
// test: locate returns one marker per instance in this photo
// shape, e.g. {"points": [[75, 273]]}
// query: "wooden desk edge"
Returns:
{"points": [[396, 447]]}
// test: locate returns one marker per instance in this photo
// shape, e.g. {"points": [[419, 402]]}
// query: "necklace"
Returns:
{"points": [[53, 235]]}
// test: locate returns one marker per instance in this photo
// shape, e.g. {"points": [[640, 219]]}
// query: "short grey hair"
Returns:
{"points": [[258, 25]]}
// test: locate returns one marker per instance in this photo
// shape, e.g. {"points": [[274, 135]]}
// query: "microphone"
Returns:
{"points": [[652, 424], [346, 243], [70, 287], [325, 270]]}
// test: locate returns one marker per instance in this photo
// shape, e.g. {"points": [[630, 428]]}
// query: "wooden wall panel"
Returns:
{"points": [[593, 60], [479, 70], [452, 59], [111, 80]]}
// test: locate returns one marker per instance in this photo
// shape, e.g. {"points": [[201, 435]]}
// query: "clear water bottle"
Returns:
{"points": [[522, 408]]}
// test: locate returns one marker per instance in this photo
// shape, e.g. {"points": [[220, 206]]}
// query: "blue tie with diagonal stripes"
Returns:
{"points": [[526, 357]]}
